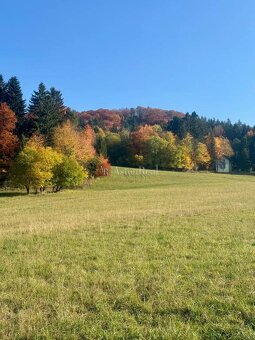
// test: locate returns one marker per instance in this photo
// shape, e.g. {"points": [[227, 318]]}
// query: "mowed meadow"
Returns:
{"points": [[148, 255]]}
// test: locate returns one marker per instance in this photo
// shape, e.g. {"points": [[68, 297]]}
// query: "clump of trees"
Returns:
{"points": [[41, 145], [46, 144], [38, 166], [151, 147]]}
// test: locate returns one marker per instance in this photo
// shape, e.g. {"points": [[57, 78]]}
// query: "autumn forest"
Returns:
{"points": [[46, 144]]}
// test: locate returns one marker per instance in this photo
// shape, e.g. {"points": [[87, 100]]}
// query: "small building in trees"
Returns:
{"points": [[223, 165]]}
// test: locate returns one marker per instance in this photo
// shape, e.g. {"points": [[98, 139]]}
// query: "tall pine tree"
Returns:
{"points": [[46, 109], [14, 97], [37, 100], [2, 90], [244, 156], [57, 99]]}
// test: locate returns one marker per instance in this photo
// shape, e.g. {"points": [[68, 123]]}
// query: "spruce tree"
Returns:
{"points": [[47, 109], [2, 90], [57, 99], [14, 97], [244, 156], [37, 100]]}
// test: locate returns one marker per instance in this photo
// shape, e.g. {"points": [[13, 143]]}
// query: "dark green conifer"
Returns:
{"points": [[14, 97]]}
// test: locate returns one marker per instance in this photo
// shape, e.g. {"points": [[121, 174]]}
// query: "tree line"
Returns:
{"points": [[45, 141], [40, 144]]}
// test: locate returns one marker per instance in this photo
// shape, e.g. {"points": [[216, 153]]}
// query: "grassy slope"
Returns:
{"points": [[161, 256]]}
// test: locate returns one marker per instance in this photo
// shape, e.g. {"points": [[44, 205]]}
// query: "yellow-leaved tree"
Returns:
{"points": [[218, 147], [186, 151], [33, 166], [202, 156], [222, 148], [173, 159]]}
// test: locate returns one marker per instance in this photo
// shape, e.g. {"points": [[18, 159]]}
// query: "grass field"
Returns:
{"points": [[156, 256]]}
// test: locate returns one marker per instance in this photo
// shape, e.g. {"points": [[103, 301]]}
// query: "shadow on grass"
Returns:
{"points": [[11, 194]]}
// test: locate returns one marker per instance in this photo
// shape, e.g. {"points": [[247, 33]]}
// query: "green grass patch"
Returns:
{"points": [[134, 256]]}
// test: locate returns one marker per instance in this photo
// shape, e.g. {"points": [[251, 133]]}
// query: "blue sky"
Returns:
{"points": [[185, 55]]}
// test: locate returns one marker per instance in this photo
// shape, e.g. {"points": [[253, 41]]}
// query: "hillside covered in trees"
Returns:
{"points": [[44, 142]]}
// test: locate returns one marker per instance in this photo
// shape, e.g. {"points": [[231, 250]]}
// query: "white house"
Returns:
{"points": [[223, 165]]}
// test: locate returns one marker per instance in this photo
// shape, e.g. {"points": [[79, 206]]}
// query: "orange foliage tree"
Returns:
{"points": [[141, 136], [87, 140], [71, 142], [8, 140], [103, 167]]}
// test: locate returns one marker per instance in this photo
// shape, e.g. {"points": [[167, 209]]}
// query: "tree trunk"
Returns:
{"points": [[27, 190]]}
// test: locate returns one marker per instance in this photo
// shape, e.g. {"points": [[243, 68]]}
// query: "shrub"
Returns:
{"points": [[103, 166], [99, 166], [68, 173]]}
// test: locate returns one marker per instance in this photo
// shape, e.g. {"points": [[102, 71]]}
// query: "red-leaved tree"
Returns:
{"points": [[8, 140]]}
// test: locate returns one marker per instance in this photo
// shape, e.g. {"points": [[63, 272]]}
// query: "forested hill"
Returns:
{"points": [[140, 136], [128, 118]]}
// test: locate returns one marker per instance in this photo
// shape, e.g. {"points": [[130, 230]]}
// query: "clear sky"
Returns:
{"points": [[175, 54]]}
